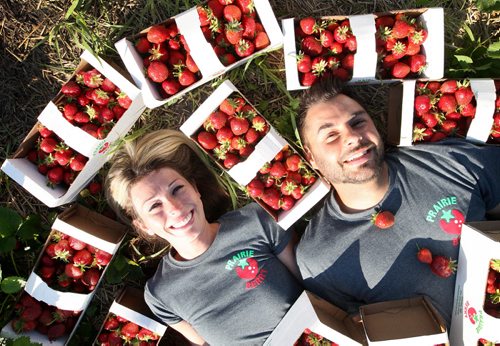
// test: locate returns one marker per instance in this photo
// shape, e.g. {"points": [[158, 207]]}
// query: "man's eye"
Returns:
{"points": [[358, 123], [177, 189], [154, 206], [331, 137]]}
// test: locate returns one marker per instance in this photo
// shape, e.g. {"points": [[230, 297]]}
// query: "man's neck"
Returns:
{"points": [[353, 198]]}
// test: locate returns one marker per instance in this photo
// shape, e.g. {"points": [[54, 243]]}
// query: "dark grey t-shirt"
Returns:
{"points": [[237, 291], [348, 261]]}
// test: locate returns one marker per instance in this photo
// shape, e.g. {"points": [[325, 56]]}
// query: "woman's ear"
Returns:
{"points": [[137, 223]]}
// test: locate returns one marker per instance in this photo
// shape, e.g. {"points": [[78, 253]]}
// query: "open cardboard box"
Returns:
{"points": [[265, 150], [25, 173], [201, 51], [365, 58], [85, 225], [401, 111], [480, 242], [418, 323], [130, 304]]}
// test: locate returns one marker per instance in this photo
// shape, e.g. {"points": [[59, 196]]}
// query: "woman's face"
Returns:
{"points": [[169, 206]]}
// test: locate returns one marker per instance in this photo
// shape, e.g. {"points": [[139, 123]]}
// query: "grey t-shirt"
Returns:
{"points": [[345, 259], [237, 291]]}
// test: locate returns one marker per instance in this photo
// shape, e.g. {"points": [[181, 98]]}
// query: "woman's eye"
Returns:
{"points": [[177, 189]]}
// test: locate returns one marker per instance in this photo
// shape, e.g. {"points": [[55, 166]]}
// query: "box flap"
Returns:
{"points": [[363, 27], [485, 94]]}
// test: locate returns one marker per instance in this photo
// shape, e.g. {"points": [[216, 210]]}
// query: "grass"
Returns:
{"points": [[40, 48]]}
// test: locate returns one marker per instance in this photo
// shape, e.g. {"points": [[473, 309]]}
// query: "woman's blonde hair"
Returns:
{"points": [[156, 150]]}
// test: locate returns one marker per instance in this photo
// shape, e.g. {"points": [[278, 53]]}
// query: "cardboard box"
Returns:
{"points": [[401, 111], [319, 316], [26, 174], [418, 323], [365, 59], [480, 242], [265, 150], [85, 225], [130, 305], [201, 51]]}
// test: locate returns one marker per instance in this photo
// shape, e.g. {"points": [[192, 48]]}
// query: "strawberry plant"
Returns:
{"points": [[326, 47], [310, 338]]}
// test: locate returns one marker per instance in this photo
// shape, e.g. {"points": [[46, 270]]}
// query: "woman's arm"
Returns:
{"points": [[189, 333], [287, 257]]}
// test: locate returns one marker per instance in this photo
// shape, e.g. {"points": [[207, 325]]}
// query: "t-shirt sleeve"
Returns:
{"points": [[277, 237], [157, 307]]}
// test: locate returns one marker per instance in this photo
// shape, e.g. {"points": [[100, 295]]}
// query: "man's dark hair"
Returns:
{"points": [[322, 90]]}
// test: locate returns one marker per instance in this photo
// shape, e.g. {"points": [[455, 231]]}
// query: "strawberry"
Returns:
{"points": [[311, 46], [468, 110], [422, 104], [449, 87], [303, 63], [234, 32], [421, 132], [326, 38], [227, 59], [130, 330], [464, 95], [157, 71], [412, 49], [271, 197], [449, 126], [91, 277], [308, 25], [158, 34], [55, 175], [400, 70], [351, 44], [184, 76], [147, 335], [447, 103], [277, 170], [82, 258], [190, 64], [399, 50], [418, 36], [342, 32], [56, 331], [417, 63], [142, 45], [62, 250], [424, 255], [294, 163], [216, 120], [48, 145], [230, 160], [102, 258], [261, 40], [442, 266], [19, 325], [383, 219], [232, 13], [44, 132], [252, 136], [92, 78], [31, 312], [224, 134], [308, 79], [287, 186], [78, 162], [71, 89], [176, 58], [207, 140], [255, 188], [171, 86], [244, 48], [260, 124], [73, 271], [239, 125], [286, 203], [402, 29], [430, 119], [247, 6], [76, 244], [69, 110]]}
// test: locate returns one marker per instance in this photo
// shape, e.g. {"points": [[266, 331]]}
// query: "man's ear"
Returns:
{"points": [[310, 157], [137, 223]]}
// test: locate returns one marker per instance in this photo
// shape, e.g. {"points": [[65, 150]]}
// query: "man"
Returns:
{"points": [[429, 188]]}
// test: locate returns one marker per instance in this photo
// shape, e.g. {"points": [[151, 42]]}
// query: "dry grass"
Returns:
{"points": [[38, 54]]}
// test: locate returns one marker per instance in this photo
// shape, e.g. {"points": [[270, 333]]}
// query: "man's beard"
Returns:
{"points": [[339, 173]]}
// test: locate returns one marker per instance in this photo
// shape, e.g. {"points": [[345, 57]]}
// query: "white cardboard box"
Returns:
{"points": [[267, 148], [202, 52], [26, 174], [401, 111], [480, 242], [365, 59]]}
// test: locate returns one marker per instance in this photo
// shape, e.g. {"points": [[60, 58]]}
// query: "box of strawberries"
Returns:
{"points": [[68, 270], [430, 110], [476, 310], [314, 321], [243, 143], [74, 132], [179, 54], [130, 322], [364, 48]]}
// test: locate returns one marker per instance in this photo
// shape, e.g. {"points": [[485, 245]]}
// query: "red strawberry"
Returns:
{"points": [[277, 170], [44, 132], [234, 32], [142, 45], [424, 255], [69, 110], [271, 197], [255, 188], [442, 266], [326, 38], [308, 79], [464, 96], [91, 277], [308, 25], [158, 34], [76, 244], [247, 6], [111, 323], [418, 36], [55, 175], [48, 144], [311, 46], [216, 120], [102, 258], [185, 77], [232, 13], [123, 100], [342, 32], [261, 40], [157, 71], [400, 70], [224, 134], [252, 136], [401, 29], [260, 124], [92, 78], [56, 331], [422, 104], [71, 89], [294, 163], [207, 140], [303, 63], [190, 64], [417, 63], [449, 87], [73, 271], [468, 110], [78, 162], [286, 203], [82, 258], [19, 325], [429, 119], [171, 86], [244, 48], [383, 219], [230, 160], [287, 186], [447, 103], [239, 125]]}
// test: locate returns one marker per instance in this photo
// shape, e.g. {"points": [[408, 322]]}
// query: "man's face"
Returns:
{"points": [[342, 142]]}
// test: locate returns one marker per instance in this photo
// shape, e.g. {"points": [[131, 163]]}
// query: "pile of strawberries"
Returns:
{"points": [[166, 59], [92, 102], [309, 338], [492, 296], [31, 314], [69, 264], [327, 47], [399, 38], [442, 109], [118, 330], [279, 184], [441, 266], [231, 131], [233, 29], [495, 129], [54, 159]]}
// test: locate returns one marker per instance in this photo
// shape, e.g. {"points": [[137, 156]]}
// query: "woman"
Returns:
{"points": [[228, 278]]}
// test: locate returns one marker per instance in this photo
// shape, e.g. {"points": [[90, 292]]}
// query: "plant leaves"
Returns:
{"points": [[12, 284], [72, 8], [469, 32], [488, 5], [30, 228], [464, 58], [9, 222], [7, 244], [494, 50]]}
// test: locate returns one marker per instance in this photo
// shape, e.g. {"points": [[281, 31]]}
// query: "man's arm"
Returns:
{"points": [[189, 333], [287, 257]]}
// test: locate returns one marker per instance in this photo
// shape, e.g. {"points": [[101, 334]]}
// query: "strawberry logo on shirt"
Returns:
{"points": [[451, 221], [247, 268], [449, 218]]}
